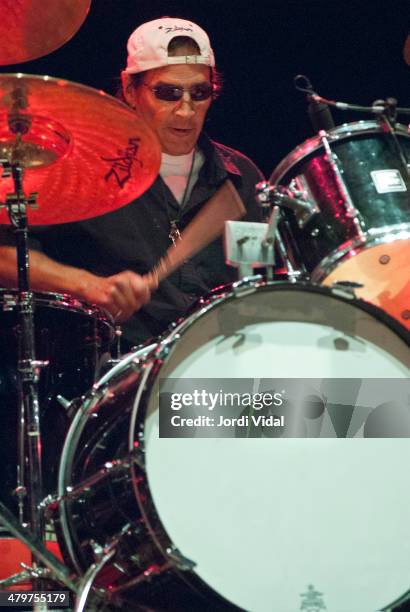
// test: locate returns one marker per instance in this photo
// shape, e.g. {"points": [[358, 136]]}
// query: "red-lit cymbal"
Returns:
{"points": [[85, 152], [33, 28]]}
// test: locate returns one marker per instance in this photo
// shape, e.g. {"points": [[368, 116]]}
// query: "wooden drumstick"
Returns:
{"points": [[208, 224]]}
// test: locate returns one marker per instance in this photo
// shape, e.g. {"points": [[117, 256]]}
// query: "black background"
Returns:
{"points": [[352, 50]]}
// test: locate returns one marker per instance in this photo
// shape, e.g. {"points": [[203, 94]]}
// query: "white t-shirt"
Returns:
{"points": [[175, 170]]}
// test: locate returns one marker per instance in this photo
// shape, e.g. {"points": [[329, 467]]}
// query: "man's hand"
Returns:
{"points": [[121, 294]]}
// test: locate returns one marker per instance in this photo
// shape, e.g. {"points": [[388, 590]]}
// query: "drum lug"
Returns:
{"points": [[246, 285], [65, 403], [98, 550], [50, 504], [182, 562], [111, 545], [346, 288]]}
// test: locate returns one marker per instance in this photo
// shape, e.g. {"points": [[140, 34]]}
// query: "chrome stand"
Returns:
{"points": [[29, 478], [29, 490], [54, 568]]}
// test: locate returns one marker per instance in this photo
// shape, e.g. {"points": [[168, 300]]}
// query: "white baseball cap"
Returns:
{"points": [[148, 45]]}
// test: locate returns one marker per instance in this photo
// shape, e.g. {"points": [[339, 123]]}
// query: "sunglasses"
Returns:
{"points": [[172, 93]]}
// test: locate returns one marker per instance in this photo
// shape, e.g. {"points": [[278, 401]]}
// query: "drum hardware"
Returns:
{"points": [[118, 336], [302, 83], [294, 269], [250, 245], [57, 569], [29, 490], [295, 200], [88, 579], [149, 574], [179, 560], [65, 403], [102, 556], [115, 354], [386, 111], [26, 575], [246, 286], [346, 288], [319, 112], [348, 284], [51, 503]]}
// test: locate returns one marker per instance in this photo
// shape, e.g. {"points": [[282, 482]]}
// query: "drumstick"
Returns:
{"points": [[208, 224]]}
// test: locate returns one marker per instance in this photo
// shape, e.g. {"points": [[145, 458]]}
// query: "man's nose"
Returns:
{"points": [[185, 106]]}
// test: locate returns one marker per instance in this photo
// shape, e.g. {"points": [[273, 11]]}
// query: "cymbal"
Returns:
{"points": [[84, 152], [30, 29]]}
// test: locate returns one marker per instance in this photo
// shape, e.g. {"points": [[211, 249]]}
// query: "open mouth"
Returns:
{"points": [[181, 131]]}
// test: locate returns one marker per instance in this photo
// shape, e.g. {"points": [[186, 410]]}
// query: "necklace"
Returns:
{"points": [[174, 233]]}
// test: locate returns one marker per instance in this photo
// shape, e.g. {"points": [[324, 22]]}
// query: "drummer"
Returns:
{"points": [[170, 80]]}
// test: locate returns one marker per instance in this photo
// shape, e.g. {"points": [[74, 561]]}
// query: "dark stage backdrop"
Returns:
{"points": [[350, 49]]}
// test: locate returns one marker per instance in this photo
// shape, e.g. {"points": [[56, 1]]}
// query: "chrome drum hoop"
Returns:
{"points": [[352, 248], [338, 134]]}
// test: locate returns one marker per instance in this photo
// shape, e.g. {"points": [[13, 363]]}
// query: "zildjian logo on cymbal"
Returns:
{"points": [[122, 165]]}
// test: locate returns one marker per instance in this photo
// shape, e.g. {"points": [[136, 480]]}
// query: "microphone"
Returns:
{"points": [[319, 115], [318, 109]]}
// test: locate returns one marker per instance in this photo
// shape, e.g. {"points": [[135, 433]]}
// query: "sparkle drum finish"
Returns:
{"points": [[356, 178], [210, 524]]}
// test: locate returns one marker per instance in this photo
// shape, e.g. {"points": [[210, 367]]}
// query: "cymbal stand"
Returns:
{"points": [[52, 568], [29, 475]]}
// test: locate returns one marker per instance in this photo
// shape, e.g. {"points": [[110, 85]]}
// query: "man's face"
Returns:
{"points": [[176, 124]]}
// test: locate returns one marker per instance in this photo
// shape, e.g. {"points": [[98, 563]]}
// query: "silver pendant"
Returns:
{"points": [[174, 233]]}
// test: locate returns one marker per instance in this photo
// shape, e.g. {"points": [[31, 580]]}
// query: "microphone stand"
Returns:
{"points": [[386, 110]]}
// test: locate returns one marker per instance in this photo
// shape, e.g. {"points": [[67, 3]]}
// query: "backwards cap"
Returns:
{"points": [[148, 45]]}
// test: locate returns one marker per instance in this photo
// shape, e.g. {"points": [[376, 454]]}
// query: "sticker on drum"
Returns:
{"points": [[361, 233], [71, 336], [256, 524]]}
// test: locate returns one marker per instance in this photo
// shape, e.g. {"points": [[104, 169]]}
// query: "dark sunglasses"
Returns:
{"points": [[171, 93]]}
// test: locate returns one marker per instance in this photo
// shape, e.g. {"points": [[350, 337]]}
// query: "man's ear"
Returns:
{"points": [[127, 90]]}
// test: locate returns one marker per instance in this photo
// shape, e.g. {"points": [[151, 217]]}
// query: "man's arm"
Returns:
{"points": [[121, 294]]}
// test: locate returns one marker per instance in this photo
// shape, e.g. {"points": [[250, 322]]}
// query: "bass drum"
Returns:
{"points": [[358, 227], [256, 524]]}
